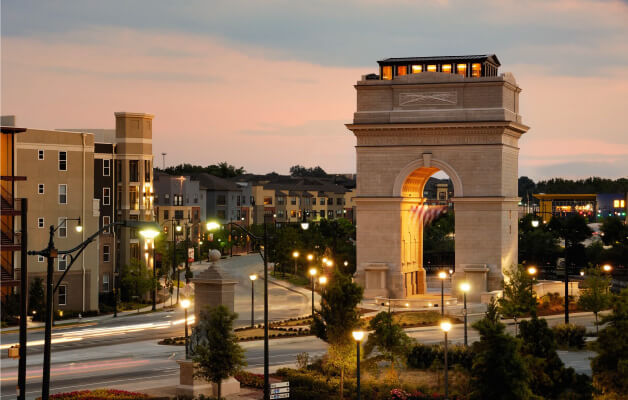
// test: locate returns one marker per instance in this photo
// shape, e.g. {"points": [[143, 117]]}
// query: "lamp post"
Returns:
{"points": [[185, 303], [152, 234], [175, 266], [51, 252], [253, 277], [295, 255], [264, 254], [532, 271], [313, 274], [465, 287], [446, 326], [358, 336], [442, 275], [607, 268]]}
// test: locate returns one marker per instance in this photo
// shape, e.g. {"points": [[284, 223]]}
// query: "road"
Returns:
{"points": [[123, 352]]}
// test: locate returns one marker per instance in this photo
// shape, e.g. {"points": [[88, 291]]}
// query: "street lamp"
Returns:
{"points": [[442, 275], [185, 303], [346, 263], [607, 268], [295, 255], [322, 280], [329, 263], [465, 287], [446, 327], [532, 272], [535, 223], [253, 277], [313, 274], [358, 336], [151, 234]]}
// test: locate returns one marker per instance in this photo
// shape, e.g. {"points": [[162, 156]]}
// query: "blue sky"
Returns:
{"points": [[252, 79]]}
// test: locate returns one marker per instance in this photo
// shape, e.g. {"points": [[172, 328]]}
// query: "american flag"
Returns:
{"points": [[425, 213]]}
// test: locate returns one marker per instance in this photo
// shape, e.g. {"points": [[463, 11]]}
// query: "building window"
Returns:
{"points": [[252, 202], [338, 213], [40, 222], [178, 214], [40, 154], [63, 292], [134, 249], [63, 193], [63, 227], [281, 200], [220, 214], [63, 161], [322, 201], [119, 198], [147, 170], [330, 201], [417, 69], [338, 201], [462, 69], [268, 201], [293, 213], [387, 72], [40, 258], [330, 214], [62, 262], [238, 201], [321, 213], [166, 215], [446, 68], [40, 188], [134, 199], [293, 200], [279, 213], [105, 282], [106, 196], [402, 70], [106, 220], [134, 175], [476, 70], [221, 200], [105, 253], [177, 200], [106, 167], [431, 68]]}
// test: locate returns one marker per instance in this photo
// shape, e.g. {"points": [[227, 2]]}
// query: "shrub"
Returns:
{"points": [[569, 335], [399, 394], [99, 394], [249, 379], [423, 356]]}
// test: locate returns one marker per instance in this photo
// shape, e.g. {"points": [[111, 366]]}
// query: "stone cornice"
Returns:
{"points": [[439, 127]]}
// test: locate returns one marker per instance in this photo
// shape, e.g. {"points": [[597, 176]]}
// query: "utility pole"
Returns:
{"points": [[21, 380], [163, 157]]}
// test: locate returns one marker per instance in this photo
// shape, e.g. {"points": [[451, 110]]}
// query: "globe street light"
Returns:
{"points": [[358, 336], [465, 287], [442, 275], [152, 234], [532, 272], [313, 274], [322, 280], [310, 257], [535, 223], [185, 303], [446, 327], [252, 277], [329, 263], [607, 268]]}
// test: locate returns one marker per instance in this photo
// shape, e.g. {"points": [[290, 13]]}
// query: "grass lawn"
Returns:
{"points": [[300, 322], [419, 318]]}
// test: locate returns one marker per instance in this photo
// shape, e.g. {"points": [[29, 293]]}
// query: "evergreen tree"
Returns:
{"points": [[389, 339], [498, 371], [594, 295], [518, 298], [610, 366], [337, 318], [221, 356], [37, 299], [136, 279]]}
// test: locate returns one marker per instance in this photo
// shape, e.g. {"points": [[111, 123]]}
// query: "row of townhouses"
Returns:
{"points": [[96, 177]]}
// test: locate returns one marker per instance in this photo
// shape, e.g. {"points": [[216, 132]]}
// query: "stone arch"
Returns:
{"points": [[413, 176]]}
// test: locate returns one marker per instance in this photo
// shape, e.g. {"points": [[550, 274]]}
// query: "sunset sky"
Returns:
{"points": [[269, 84]]}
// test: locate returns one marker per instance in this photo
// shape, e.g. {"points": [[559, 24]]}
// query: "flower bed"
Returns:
{"points": [[249, 379], [398, 394], [99, 394]]}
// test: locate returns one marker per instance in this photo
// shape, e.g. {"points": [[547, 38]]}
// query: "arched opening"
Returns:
{"points": [[427, 194]]}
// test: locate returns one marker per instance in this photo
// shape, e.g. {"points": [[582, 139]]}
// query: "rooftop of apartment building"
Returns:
{"points": [[333, 183]]}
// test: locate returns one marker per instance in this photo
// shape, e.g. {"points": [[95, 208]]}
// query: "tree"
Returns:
{"points": [[37, 299], [573, 230], [537, 246], [337, 318], [518, 297], [221, 170], [299, 170], [548, 376], [438, 242], [221, 356], [136, 279], [389, 339], [526, 187], [594, 295], [614, 231], [610, 366], [498, 371]]}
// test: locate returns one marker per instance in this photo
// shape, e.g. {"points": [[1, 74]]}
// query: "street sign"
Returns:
{"points": [[280, 390], [191, 254]]}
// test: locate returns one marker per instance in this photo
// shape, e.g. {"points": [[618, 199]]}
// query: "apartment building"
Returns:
{"points": [[221, 199], [60, 192], [178, 202]]}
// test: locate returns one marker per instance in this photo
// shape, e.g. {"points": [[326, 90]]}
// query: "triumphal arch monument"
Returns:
{"points": [[419, 116]]}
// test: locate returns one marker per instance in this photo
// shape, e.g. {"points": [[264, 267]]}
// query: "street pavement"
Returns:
{"points": [[123, 352]]}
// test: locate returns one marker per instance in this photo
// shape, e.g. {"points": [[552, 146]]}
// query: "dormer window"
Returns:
{"points": [[402, 70], [431, 68], [417, 69], [446, 68], [462, 69], [387, 72], [476, 69]]}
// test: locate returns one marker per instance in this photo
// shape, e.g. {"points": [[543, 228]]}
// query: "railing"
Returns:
{"points": [[434, 269]]}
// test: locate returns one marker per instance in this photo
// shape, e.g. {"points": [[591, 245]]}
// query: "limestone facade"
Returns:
{"points": [[409, 128]]}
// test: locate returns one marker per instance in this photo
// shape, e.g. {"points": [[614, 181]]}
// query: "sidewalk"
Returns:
{"points": [[61, 323]]}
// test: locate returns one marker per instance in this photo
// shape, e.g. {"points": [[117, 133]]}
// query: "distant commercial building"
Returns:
{"points": [[592, 206], [178, 202], [221, 199]]}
